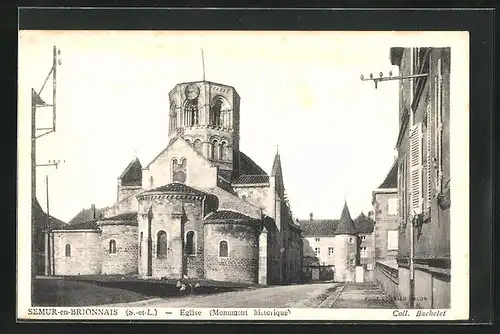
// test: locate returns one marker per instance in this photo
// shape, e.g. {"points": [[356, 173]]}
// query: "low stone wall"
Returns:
{"points": [[388, 278]]}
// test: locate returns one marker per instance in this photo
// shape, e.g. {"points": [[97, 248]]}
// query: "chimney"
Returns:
{"points": [[370, 214], [93, 211], [311, 217]]}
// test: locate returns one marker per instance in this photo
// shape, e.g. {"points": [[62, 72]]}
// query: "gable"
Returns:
{"points": [[199, 171]]}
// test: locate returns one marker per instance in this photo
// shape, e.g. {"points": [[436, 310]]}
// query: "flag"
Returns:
{"points": [[36, 100]]}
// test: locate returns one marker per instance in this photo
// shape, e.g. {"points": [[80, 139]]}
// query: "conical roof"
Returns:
{"points": [[276, 170], [346, 224]]}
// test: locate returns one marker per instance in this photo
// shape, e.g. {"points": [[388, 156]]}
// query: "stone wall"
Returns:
{"points": [[242, 263], [259, 196], [432, 289], [85, 256], [124, 261], [127, 204], [200, 173], [164, 209]]}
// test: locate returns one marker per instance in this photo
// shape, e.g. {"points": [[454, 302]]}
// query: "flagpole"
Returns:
{"points": [[203, 63]]}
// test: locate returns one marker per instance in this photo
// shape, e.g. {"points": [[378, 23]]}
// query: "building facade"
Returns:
{"points": [[385, 208], [201, 208], [424, 176], [335, 248]]}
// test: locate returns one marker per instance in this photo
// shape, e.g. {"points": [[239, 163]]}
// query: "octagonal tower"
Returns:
{"points": [[207, 115]]}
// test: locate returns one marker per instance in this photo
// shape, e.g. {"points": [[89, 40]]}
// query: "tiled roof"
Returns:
{"points": [[346, 224], [40, 217], [123, 216], [86, 215], [86, 225], [132, 175], [251, 179], [319, 227], [364, 224], [249, 167], [391, 180], [177, 187], [227, 215]]}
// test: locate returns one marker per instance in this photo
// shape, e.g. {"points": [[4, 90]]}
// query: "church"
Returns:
{"points": [[201, 208]]}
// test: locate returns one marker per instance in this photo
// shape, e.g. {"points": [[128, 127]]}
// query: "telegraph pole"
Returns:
{"points": [[412, 76], [37, 102]]}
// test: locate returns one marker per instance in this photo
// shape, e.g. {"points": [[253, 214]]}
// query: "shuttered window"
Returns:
{"points": [[416, 193], [439, 125], [428, 167]]}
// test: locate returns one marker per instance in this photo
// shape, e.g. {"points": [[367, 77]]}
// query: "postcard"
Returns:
{"points": [[243, 175]]}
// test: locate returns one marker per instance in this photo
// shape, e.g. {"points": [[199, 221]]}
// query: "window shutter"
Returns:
{"points": [[439, 127], [416, 169], [428, 170]]}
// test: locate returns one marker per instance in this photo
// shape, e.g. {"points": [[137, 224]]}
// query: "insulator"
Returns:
{"points": [[362, 77], [371, 75]]}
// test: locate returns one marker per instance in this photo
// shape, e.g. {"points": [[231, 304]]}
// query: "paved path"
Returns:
{"points": [[290, 296], [360, 295]]}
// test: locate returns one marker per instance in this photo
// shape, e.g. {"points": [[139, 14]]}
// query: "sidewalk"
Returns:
{"points": [[360, 295]]}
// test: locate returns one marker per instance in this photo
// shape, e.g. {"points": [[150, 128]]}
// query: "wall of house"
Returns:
{"points": [[124, 261], [200, 173], [367, 259], [385, 221], [85, 256], [323, 244], [432, 243], [345, 253], [242, 263]]}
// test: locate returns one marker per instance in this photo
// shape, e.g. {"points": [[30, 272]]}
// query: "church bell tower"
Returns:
{"points": [[207, 116]]}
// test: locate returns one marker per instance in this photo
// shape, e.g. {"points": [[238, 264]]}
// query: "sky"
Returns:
{"points": [[300, 91]]}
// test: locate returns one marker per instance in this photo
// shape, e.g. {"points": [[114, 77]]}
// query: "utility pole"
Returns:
{"points": [[38, 102], [411, 76]]}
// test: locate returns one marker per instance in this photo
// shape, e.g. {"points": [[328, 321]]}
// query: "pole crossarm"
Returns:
{"points": [[390, 77]]}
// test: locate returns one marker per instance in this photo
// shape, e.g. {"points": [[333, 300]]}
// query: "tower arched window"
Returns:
{"points": [[197, 145], [191, 243], [191, 112], [161, 245], [223, 249], [67, 250], [179, 170], [215, 150], [224, 148], [220, 112], [112, 246]]}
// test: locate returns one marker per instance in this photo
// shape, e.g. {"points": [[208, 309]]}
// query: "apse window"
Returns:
{"points": [[191, 243], [112, 246], [67, 250], [223, 249], [161, 245]]}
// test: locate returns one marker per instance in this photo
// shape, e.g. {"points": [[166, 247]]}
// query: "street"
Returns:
{"points": [[318, 295]]}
